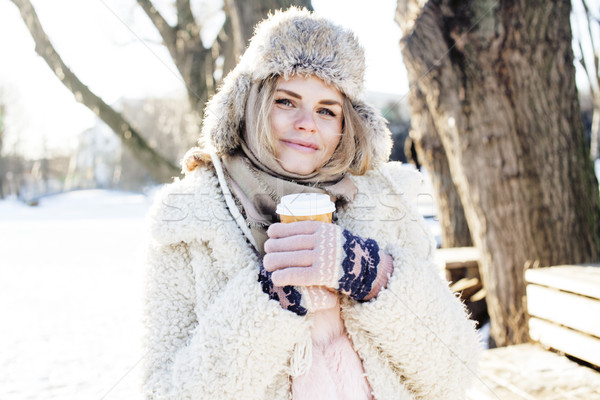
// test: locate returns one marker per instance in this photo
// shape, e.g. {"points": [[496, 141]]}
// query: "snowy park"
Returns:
{"points": [[70, 296], [496, 103]]}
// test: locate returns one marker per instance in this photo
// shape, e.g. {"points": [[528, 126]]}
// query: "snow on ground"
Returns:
{"points": [[70, 296]]}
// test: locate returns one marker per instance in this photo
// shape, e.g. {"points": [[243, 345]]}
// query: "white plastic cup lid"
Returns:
{"points": [[303, 204]]}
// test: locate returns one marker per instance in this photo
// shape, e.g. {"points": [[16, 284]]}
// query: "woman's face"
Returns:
{"points": [[306, 120]]}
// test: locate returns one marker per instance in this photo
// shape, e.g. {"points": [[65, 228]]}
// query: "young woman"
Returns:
{"points": [[240, 306]]}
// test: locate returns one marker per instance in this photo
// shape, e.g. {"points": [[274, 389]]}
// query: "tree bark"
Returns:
{"points": [[251, 12], [499, 81], [430, 151], [161, 169]]}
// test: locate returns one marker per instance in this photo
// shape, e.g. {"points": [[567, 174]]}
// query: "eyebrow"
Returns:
{"points": [[297, 96]]}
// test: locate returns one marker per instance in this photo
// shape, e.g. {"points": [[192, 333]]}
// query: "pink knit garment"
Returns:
{"points": [[315, 298], [336, 371]]}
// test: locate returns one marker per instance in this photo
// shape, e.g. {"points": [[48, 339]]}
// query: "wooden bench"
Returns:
{"points": [[455, 258], [460, 266], [564, 307]]}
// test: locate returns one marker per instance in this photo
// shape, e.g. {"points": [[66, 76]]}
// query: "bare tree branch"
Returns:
{"points": [[185, 17], [226, 46], [583, 63], [185, 47], [595, 48], [160, 168], [166, 31], [592, 73], [236, 35]]}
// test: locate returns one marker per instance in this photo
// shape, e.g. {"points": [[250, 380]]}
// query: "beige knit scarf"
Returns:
{"points": [[259, 184]]}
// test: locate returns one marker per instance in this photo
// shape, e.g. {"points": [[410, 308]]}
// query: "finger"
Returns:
{"points": [[300, 258], [292, 243], [279, 230], [298, 276]]}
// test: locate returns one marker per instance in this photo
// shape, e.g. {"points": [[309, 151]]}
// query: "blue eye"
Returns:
{"points": [[327, 111], [284, 102]]}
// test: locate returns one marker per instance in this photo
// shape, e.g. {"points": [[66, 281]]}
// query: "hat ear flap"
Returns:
{"points": [[224, 113], [376, 136]]}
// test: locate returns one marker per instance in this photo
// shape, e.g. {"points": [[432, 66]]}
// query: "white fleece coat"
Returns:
{"points": [[213, 334]]}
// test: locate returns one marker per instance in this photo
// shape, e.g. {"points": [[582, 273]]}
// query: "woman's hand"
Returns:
{"points": [[299, 300], [311, 253]]}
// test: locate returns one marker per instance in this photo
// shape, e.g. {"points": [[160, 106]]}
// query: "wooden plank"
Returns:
{"points": [[568, 309], [583, 278], [480, 295], [528, 372], [458, 257], [571, 342], [466, 283]]}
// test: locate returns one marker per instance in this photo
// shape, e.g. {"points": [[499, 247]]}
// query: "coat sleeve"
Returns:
{"points": [[231, 344], [415, 325]]}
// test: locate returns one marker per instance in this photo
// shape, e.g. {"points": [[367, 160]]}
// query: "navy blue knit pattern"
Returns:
{"points": [[359, 265], [287, 296]]}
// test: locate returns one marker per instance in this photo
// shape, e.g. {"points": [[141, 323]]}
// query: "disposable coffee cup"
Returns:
{"points": [[305, 207]]}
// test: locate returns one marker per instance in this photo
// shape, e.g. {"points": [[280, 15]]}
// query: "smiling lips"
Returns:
{"points": [[301, 145]]}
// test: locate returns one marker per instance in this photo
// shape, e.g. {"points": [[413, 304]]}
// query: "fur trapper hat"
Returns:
{"points": [[295, 41]]}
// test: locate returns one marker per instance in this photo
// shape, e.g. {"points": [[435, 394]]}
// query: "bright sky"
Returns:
{"points": [[113, 49]]}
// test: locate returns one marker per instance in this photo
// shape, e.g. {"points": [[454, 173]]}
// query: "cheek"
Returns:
{"points": [[332, 136], [278, 123]]}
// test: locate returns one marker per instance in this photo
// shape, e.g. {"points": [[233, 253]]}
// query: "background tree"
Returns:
{"points": [[451, 215], [588, 30], [2, 167], [197, 65], [497, 78]]}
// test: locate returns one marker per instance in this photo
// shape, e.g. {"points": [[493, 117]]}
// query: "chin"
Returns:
{"points": [[298, 168]]}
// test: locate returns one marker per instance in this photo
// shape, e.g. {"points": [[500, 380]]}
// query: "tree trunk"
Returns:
{"points": [[3, 171], [242, 17], [251, 12], [430, 151], [499, 82], [595, 129]]}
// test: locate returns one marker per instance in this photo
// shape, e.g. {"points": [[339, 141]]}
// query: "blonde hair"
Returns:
{"points": [[353, 150]]}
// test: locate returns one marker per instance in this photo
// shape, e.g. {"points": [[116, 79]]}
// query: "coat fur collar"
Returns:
{"points": [[194, 208]]}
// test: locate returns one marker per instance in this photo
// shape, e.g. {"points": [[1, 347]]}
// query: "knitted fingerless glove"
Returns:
{"points": [[360, 264], [313, 253], [299, 300]]}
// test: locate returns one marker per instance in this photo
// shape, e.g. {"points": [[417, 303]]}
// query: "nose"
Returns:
{"points": [[305, 121]]}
